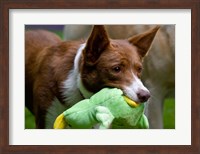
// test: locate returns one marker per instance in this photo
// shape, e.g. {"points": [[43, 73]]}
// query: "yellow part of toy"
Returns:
{"points": [[130, 102], [60, 122]]}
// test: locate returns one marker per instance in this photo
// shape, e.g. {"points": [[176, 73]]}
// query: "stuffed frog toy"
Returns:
{"points": [[109, 108]]}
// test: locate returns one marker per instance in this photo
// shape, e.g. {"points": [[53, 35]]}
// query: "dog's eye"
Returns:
{"points": [[116, 69], [140, 69]]}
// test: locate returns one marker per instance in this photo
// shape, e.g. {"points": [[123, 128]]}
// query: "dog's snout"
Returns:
{"points": [[143, 95]]}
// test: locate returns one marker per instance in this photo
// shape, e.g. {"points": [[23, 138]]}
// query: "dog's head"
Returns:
{"points": [[116, 63]]}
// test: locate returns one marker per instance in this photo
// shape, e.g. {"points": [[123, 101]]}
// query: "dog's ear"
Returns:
{"points": [[144, 40], [97, 42]]}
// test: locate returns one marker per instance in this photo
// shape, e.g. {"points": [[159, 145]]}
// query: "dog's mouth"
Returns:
{"points": [[141, 96], [131, 102]]}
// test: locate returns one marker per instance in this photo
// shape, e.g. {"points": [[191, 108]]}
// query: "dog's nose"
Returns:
{"points": [[143, 95]]}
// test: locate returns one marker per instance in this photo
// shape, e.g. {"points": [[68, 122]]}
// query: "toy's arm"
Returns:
{"points": [[60, 122], [104, 116], [143, 122]]}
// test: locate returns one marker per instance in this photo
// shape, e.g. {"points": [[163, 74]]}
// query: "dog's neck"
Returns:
{"points": [[74, 90], [86, 94], [81, 87]]}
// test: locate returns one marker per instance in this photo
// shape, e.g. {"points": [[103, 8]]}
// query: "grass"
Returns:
{"points": [[169, 114], [59, 33], [29, 120]]}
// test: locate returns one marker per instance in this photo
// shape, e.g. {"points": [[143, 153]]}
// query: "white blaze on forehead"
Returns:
{"points": [[133, 89], [137, 84]]}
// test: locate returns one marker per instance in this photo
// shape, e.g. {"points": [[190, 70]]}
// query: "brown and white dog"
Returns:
{"points": [[73, 70], [159, 65]]}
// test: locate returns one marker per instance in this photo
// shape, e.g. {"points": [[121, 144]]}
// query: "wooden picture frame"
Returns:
{"points": [[6, 5]]}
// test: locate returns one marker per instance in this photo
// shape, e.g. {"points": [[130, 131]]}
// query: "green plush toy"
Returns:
{"points": [[109, 108]]}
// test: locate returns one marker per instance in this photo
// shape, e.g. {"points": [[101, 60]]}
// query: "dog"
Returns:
{"points": [[71, 71], [159, 65]]}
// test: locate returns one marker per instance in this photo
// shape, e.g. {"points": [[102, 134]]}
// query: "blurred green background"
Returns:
{"points": [[169, 104]]}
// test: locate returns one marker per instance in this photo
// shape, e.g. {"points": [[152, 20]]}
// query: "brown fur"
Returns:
{"points": [[104, 63], [48, 61]]}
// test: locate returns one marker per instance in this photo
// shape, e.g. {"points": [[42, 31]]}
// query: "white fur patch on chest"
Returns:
{"points": [[71, 92]]}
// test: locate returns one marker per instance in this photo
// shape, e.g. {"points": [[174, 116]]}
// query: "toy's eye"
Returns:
{"points": [[116, 69]]}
